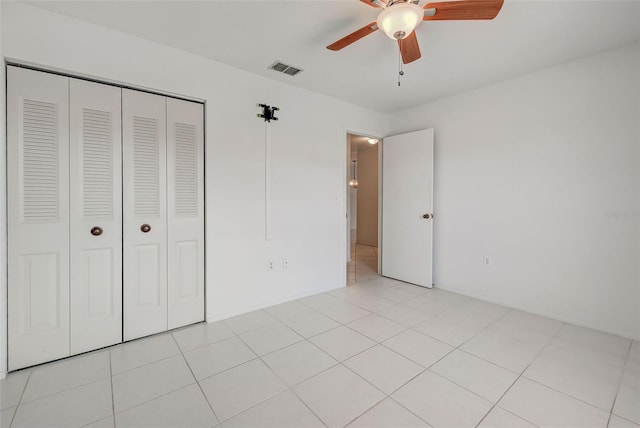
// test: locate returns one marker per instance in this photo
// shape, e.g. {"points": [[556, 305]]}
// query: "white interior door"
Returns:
{"points": [[38, 216], [145, 213], [185, 212], [96, 215], [407, 207]]}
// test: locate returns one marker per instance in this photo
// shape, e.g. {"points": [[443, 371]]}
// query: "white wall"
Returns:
{"points": [[308, 156], [528, 172]]}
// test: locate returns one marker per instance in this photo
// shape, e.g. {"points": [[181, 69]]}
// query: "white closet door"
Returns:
{"points": [[96, 215], [38, 216], [145, 213], [185, 202]]}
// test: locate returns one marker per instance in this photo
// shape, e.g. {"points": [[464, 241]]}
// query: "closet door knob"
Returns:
{"points": [[145, 228], [96, 231]]}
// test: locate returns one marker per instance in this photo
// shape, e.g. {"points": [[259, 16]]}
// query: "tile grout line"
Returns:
{"points": [[454, 348], [624, 369], [113, 401], [46, 365], [139, 340], [565, 393], [428, 368], [196, 381], [409, 410], [395, 390], [290, 387], [276, 320], [381, 343], [164, 394], [435, 362], [15, 413], [521, 375], [425, 368]]}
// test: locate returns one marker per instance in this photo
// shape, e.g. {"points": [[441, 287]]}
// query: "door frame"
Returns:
{"points": [[4, 243], [345, 189]]}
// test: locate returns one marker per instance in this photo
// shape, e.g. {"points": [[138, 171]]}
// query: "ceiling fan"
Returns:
{"points": [[400, 18]]}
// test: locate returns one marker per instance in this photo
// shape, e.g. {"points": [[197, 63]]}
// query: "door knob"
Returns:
{"points": [[96, 231], [145, 228], [427, 216]]}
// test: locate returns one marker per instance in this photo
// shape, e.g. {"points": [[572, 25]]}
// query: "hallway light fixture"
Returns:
{"points": [[354, 181], [373, 140]]}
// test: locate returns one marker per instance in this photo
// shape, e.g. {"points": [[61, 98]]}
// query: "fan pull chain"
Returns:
{"points": [[400, 72]]}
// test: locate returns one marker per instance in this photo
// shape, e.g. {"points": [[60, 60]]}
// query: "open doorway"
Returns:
{"points": [[362, 211]]}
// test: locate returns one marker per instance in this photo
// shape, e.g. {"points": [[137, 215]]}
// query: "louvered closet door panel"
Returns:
{"points": [[185, 202], [96, 215], [145, 206], [38, 216]]}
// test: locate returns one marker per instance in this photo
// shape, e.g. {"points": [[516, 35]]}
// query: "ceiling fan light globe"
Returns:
{"points": [[400, 19]]}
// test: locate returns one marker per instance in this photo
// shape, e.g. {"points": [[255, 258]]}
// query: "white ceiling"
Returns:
{"points": [[456, 55]]}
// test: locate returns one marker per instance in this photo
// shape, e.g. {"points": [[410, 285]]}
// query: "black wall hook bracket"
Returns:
{"points": [[268, 112]]}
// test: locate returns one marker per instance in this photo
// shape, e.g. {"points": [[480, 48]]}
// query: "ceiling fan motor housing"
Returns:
{"points": [[399, 19]]}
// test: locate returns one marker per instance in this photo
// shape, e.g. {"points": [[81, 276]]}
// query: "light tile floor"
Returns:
{"points": [[379, 353]]}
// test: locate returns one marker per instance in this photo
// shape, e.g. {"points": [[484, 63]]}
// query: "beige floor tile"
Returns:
{"points": [[338, 396], [422, 349], [237, 389], [479, 376], [185, 407], [442, 403], [282, 411], [74, 407], [388, 414], [500, 418], [217, 357], [383, 368], [552, 408], [145, 383], [342, 343], [298, 362]]}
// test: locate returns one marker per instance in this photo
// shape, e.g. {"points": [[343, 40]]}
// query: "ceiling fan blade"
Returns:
{"points": [[353, 37], [409, 48], [375, 3], [461, 10]]}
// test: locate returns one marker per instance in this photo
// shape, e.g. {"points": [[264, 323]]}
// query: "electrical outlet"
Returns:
{"points": [[486, 261], [285, 263], [270, 265]]}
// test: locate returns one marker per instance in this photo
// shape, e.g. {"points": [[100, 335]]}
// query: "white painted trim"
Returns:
{"points": [[345, 188], [3, 225], [479, 296], [272, 303], [348, 198], [380, 172], [98, 79]]}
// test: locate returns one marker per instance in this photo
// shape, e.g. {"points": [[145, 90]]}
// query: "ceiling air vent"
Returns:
{"points": [[284, 68]]}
